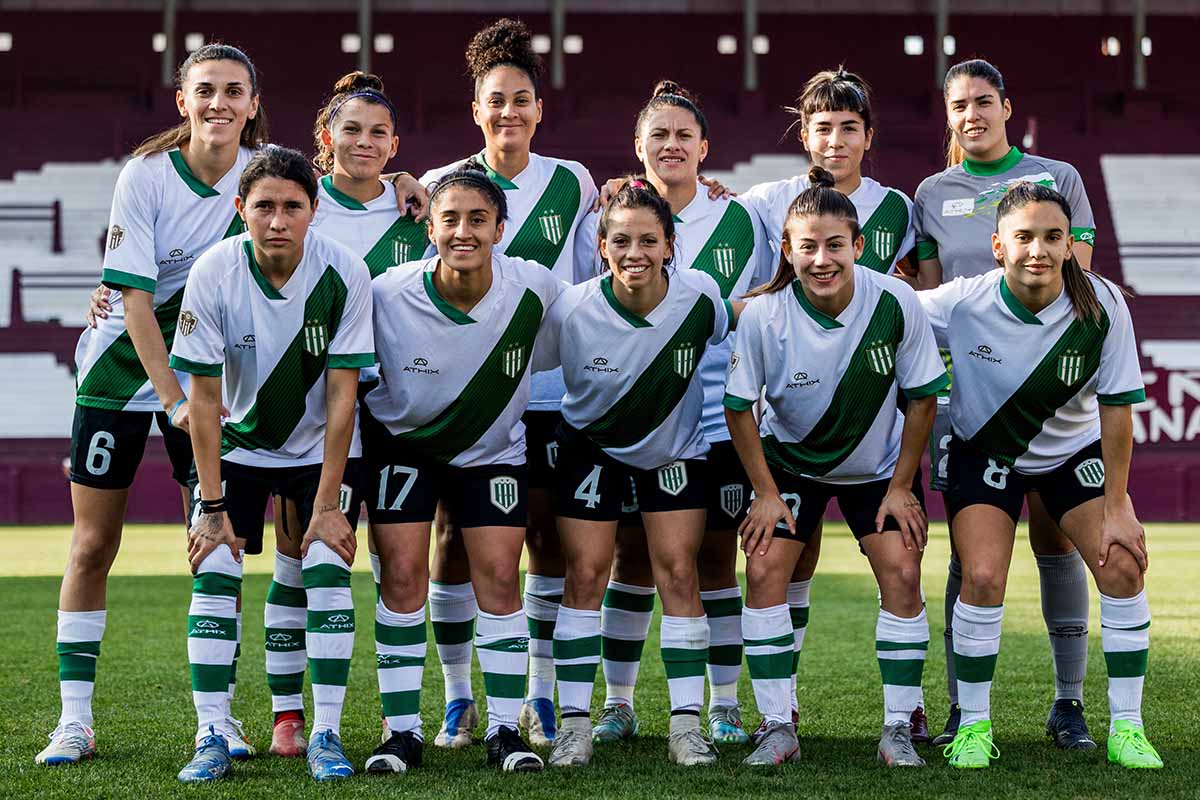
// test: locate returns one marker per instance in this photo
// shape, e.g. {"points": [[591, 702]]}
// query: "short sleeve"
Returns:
{"points": [[1120, 375], [199, 347], [1083, 224], [919, 368], [938, 304], [353, 346], [546, 355], [129, 247], [744, 377], [764, 260], [586, 246], [926, 245]]}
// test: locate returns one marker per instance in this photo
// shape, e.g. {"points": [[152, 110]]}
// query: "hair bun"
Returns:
{"points": [[505, 41], [820, 178], [358, 81], [671, 87]]}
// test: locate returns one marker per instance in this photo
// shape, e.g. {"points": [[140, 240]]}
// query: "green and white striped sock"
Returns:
{"points": [[503, 645], [576, 656], [329, 634], [770, 651], [237, 653], [723, 607], [284, 621], [79, 635], [400, 643], [212, 634], [976, 646], [624, 624], [797, 599], [1125, 633], [452, 610], [543, 594], [684, 642], [900, 646]]}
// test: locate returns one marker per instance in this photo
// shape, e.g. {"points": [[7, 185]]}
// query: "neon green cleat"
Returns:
{"points": [[1129, 747], [972, 747]]}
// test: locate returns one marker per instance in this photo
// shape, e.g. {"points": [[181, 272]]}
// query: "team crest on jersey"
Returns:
{"points": [[673, 478], [512, 361], [503, 492], [881, 357], [116, 235], [684, 359], [1090, 473], [884, 243], [552, 227], [731, 499], [724, 259], [316, 337], [1070, 367], [187, 323]]}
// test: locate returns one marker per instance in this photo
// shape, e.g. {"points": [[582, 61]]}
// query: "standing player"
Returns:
{"points": [[831, 341], [722, 238], [1046, 372], [455, 334], [630, 342], [174, 200], [954, 215], [834, 115], [549, 201], [303, 302]]}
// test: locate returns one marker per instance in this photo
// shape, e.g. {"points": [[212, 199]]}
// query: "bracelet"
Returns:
{"points": [[212, 506], [174, 408], [399, 175]]}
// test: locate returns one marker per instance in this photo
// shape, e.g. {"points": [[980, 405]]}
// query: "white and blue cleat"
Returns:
{"points": [[538, 721], [211, 761], [459, 724], [69, 744], [326, 759]]}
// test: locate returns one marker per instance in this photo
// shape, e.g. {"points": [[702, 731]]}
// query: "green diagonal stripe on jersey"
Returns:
{"points": [[487, 394], [404, 241], [283, 396], [863, 389], [1058, 377], [728, 249], [884, 232], [660, 387], [544, 233]]}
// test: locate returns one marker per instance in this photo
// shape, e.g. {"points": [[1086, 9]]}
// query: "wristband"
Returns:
{"points": [[174, 408], [212, 506]]}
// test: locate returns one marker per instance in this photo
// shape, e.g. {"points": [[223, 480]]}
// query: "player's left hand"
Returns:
{"points": [[1121, 528], [411, 196], [716, 189], [98, 305], [901, 504], [329, 525]]}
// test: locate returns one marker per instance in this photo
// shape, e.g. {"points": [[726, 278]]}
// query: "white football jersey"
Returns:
{"points": [[1026, 386], [831, 383], [374, 230], [633, 387], [550, 221], [272, 346], [455, 385], [163, 218]]}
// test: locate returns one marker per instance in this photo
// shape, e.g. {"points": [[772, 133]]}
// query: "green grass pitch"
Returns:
{"points": [[145, 718]]}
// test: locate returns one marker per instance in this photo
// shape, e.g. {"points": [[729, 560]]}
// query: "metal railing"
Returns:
{"points": [[39, 212], [22, 281]]}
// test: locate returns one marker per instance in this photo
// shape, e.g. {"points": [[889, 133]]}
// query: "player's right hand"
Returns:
{"points": [[98, 305], [758, 528], [210, 532]]}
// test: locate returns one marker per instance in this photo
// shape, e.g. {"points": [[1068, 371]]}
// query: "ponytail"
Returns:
{"points": [[351, 86], [973, 68]]}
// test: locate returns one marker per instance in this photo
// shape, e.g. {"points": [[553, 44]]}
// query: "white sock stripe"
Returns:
{"points": [[543, 584], [288, 571], [901, 655], [452, 602], [797, 593], [490, 627], [205, 605], [901, 630], [287, 662], [397, 619], [539, 609], [689, 633], [1124, 612], [766, 623], [220, 560], [1119, 641], [721, 594], [452, 591], [283, 616], [400, 679], [630, 588], [321, 553], [81, 626], [725, 630], [617, 623]]}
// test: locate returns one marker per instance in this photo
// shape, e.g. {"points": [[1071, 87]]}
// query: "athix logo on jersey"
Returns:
{"points": [[884, 243], [513, 360], [316, 336], [881, 357], [731, 498], [206, 627], [420, 365], [673, 478], [600, 364], [1090, 473], [116, 235], [338, 622], [279, 637], [503, 492], [176, 256], [552, 227], [247, 343], [984, 353], [1070, 367], [187, 322], [724, 259], [685, 360], [801, 379]]}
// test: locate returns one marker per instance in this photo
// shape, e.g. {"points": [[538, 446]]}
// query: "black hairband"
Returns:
{"points": [[372, 94]]}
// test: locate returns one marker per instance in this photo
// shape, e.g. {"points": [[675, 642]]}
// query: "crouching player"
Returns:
{"points": [[282, 317]]}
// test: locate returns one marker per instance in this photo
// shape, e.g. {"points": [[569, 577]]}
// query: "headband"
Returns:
{"points": [[368, 93]]}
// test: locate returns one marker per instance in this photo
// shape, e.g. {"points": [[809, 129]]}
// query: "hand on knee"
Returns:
{"points": [[1120, 576]]}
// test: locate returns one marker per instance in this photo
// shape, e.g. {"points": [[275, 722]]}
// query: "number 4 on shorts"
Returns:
{"points": [[588, 491]]}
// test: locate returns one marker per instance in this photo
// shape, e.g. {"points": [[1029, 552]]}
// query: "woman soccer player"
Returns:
{"points": [[630, 343], [830, 341], [722, 238], [304, 302], [954, 215], [455, 333], [549, 204], [173, 200], [1046, 369]]}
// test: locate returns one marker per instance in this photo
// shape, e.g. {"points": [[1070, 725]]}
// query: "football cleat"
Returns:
{"points": [[326, 759], [508, 751], [896, 746], [537, 721], [1129, 747], [210, 762], [725, 725], [1067, 726], [288, 739], [400, 753], [763, 725], [947, 735], [972, 747], [69, 744], [616, 723], [776, 744], [687, 745], [573, 745], [457, 726], [240, 748], [919, 726]]}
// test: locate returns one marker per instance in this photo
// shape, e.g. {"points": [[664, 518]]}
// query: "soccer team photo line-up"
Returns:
{"points": [[626, 382]]}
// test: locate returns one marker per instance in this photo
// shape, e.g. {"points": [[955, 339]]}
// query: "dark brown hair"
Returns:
{"points": [[278, 162], [832, 90], [504, 43], [255, 132], [472, 175], [819, 199], [973, 68], [636, 191], [669, 93], [351, 86]]}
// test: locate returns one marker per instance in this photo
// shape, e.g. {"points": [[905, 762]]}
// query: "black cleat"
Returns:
{"points": [[1067, 726], [951, 730], [400, 753], [508, 751]]}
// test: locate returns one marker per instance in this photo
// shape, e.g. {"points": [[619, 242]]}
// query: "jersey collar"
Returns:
{"points": [[986, 168], [185, 173], [440, 303], [1016, 307], [341, 198], [268, 290], [498, 179], [634, 319], [696, 208], [820, 317]]}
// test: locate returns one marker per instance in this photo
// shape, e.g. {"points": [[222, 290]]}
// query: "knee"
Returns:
{"points": [[984, 583], [586, 582], [761, 574], [403, 586], [93, 550], [677, 578], [1120, 576]]}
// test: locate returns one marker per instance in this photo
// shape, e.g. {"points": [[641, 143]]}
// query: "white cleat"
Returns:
{"points": [[687, 745], [458, 725], [69, 744], [240, 748], [573, 745]]}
